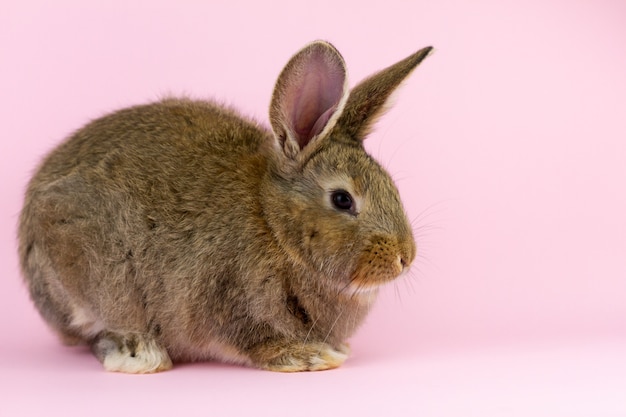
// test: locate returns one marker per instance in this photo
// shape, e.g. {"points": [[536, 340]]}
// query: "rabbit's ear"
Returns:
{"points": [[367, 100], [308, 97]]}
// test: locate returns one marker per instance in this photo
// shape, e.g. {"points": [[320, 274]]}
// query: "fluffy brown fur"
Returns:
{"points": [[182, 230]]}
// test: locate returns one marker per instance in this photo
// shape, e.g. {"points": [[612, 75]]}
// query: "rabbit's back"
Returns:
{"points": [[151, 141], [175, 155]]}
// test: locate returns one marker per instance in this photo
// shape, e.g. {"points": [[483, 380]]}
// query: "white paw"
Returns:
{"points": [[328, 358], [143, 357]]}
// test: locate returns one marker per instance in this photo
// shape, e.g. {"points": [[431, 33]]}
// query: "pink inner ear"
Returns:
{"points": [[320, 124], [316, 97]]}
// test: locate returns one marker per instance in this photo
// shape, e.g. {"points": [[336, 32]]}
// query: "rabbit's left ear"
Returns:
{"points": [[308, 97], [368, 100]]}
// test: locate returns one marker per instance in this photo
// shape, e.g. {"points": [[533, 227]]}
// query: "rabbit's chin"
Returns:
{"points": [[364, 291]]}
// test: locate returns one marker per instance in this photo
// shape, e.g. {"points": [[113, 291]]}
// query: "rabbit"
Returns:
{"points": [[182, 231]]}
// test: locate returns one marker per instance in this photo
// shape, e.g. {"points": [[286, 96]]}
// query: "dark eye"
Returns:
{"points": [[342, 200]]}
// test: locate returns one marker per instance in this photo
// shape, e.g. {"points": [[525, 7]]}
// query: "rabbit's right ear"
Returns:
{"points": [[309, 96]]}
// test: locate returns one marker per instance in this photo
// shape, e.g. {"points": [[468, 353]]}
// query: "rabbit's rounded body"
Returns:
{"points": [[182, 230]]}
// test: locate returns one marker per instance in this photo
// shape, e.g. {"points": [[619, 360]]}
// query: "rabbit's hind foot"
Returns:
{"points": [[300, 357]]}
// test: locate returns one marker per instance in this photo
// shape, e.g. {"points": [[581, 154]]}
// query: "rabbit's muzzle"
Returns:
{"points": [[382, 260]]}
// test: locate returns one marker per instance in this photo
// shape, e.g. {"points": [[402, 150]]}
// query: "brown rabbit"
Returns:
{"points": [[180, 230]]}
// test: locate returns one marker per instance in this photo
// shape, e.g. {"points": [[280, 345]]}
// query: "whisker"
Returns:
{"points": [[306, 339], [430, 210], [345, 287], [423, 220], [332, 326], [421, 258], [409, 284], [396, 290], [428, 227]]}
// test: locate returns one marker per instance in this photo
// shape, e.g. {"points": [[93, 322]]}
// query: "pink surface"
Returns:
{"points": [[509, 148]]}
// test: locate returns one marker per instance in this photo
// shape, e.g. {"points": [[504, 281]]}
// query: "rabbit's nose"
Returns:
{"points": [[400, 264], [403, 262], [407, 254]]}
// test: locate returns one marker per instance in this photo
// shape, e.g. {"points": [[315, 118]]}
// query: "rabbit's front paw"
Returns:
{"points": [[298, 357], [130, 353]]}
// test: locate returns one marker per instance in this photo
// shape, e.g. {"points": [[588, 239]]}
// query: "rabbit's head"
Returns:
{"points": [[331, 206]]}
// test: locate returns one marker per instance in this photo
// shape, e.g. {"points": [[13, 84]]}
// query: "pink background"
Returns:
{"points": [[509, 147]]}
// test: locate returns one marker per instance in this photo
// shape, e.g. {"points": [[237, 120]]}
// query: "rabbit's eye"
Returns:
{"points": [[342, 200]]}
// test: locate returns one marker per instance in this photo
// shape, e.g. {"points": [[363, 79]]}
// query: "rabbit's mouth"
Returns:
{"points": [[374, 272]]}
